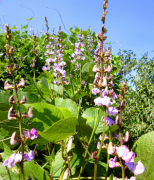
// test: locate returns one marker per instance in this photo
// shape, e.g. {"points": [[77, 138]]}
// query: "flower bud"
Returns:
{"points": [[23, 101], [11, 50], [21, 83], [7, 47], [11, 99], [122, 104], [117, 120], [7, 86], [96, 69], [126, 137], [28, 114], [103, 83], [108, 69], [11, 114], [6, 27], [105, 5], [110, 77], [14, 67], [107, 53], [111, 149], [14, 139]]}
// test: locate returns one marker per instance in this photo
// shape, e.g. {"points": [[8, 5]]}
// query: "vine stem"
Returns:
{"points": [[83, 145], [19, 114], [108, 155], [121, 142], [69, 167], [99, 151], [8, 172], [85, 155]]}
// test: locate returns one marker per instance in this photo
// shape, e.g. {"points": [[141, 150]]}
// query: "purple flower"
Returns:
{"points": [[109, 121], [95, 91], [12, 160], [46, 68], [98, 145], [113, 162], [62, 63], [136, 169], [83, 58], [30, 156], [83, 82], [112, 111], [111, 149], [31, 134], [132, 178], [122, 150], [73, 55], [103, 101]]}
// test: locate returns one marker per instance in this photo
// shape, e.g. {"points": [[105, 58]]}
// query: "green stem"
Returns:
{"points": [[99, 151], [62, 90], [50, 158], [108, 155], [80, 76], [19, 115], [8, 172], [85, 155], [67, 159], [121, 141], [83, 145]]}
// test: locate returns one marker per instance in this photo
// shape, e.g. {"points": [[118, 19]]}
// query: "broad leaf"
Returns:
{"points": [[44, 115], [60, 130], [67, 103], [93, 113], [79, 95], [35, 170], [144, 150], [4, 107]]}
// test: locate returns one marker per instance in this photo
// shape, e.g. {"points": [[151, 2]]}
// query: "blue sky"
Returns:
{"points": [[129, 22]]}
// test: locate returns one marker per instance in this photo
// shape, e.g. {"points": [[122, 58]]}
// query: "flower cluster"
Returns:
{"points": [[17, 157], [78, 52], [128, 158], [55, 59]]}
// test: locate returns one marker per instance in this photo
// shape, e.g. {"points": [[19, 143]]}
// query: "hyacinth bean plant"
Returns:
{"points": [[17, 157], [69, 114]]}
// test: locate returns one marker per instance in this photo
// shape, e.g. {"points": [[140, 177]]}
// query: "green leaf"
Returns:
{"points": [[31, 98], [3, 133], [67, 103], [60, 130], [3, 115], [84, 131], [35, 170], [93, 112], [14, 27], [79, 95], [57, 165], [45, 88], [144, 150], [57, 88], [25, 27], [47, 75], [14, 173], [7, 152], [29, 19], [31, 89], [44, 115], [4, 97], [66, 112], [4, 107]]}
